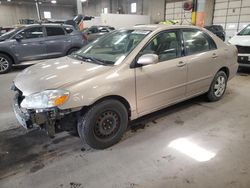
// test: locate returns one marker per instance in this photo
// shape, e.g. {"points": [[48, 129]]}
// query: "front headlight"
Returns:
{"points": [[45, 99]]}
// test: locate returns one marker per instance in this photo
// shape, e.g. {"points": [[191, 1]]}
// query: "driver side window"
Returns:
{"points": [[31, 33], [166, 45]]}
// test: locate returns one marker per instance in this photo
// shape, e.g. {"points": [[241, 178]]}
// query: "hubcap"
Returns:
{"points": [[107, 124], [4, 64], [220, 86]]}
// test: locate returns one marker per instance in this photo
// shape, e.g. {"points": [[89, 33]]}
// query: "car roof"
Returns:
{"points": [[48, 24], [210, 26], [100, 26], [155, 27]]}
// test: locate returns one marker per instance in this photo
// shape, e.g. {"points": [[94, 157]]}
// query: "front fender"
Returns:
{"points": [[87, 92]]}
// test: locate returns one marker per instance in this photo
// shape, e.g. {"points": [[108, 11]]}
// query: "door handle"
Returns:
{"points": [[214, 55], [181, 64]]}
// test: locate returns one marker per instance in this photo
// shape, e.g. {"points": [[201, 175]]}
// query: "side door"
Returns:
{"points": [[32, 45], [201, 57], [57, 41], [158, 85]]}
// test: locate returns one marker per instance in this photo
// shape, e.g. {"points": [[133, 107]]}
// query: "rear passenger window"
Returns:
{"points": [[197, 42], [54, 31]]}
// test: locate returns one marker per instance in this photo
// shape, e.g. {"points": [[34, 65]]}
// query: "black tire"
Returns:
{"points": [[103, 125], [72, 50], [217, 88], [5, 64]]}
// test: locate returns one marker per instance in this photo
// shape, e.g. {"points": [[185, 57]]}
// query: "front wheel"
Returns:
{"points": [[5, 64], [218, 87], [103, 124]]}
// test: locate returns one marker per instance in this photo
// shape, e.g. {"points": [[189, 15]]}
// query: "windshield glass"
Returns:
{"points": [[245, 31], [112, 48], [9, 34]]}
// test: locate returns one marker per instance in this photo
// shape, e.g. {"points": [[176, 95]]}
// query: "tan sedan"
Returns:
{"points": [[124, 75]]}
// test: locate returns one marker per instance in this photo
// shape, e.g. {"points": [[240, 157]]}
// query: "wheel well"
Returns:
{"points": [[226, 70], [72, 49], [12, 59], [115, 97]]}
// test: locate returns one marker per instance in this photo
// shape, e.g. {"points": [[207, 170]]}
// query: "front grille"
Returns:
{"points": [[243, 49]]}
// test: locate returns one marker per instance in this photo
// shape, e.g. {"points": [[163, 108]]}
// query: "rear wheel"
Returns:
{"points": [[5, 63], [72, 50], [103, 124], [218, 87]]}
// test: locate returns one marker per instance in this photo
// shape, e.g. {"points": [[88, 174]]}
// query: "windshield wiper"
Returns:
{"points": [[92, 59]]}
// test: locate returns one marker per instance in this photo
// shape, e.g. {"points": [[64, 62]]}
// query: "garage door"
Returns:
{"points": [[233, 15], [174, 11]]}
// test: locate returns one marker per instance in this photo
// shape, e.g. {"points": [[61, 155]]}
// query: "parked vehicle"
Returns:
{"points": [[242, 42], [113, 80], [217, 30], [95, 32], [38, 41], [5, 30]]}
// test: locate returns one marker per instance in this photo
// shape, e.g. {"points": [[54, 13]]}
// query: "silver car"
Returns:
{"points": [[94, 32], [38, 41], [120, 77]]}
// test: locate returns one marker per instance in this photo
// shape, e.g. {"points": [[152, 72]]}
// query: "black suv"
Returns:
{"points": [[217, 30]]}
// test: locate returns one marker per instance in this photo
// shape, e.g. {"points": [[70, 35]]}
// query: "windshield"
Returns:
{"points": [[245, 31], [9, 34], [112, 48]]}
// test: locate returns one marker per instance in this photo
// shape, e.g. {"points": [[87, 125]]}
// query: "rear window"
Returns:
{"points": [[197, 42], [54, 31]]}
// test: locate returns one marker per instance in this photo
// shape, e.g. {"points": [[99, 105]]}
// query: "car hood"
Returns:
{"points": [[240, 40], [56, 73]]}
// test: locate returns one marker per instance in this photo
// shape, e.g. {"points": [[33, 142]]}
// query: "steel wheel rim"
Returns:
{"points": [[219, 86], [4, 64], [107, 124]]}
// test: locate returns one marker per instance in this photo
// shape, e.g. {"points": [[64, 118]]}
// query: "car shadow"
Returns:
{"points": [[153, 117], [32, 150], [23, 150], [243, 71], [18, 68]]}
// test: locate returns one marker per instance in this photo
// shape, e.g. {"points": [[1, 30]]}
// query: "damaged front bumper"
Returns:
{"points": [[51, 119], [35, 118]]}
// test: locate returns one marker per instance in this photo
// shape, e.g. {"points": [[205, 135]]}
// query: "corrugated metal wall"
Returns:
{"points": [[233, 15], [174, 11]]}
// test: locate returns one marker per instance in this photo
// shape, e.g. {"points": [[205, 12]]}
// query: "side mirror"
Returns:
{"points": [[148, 59], [18, 37]]}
